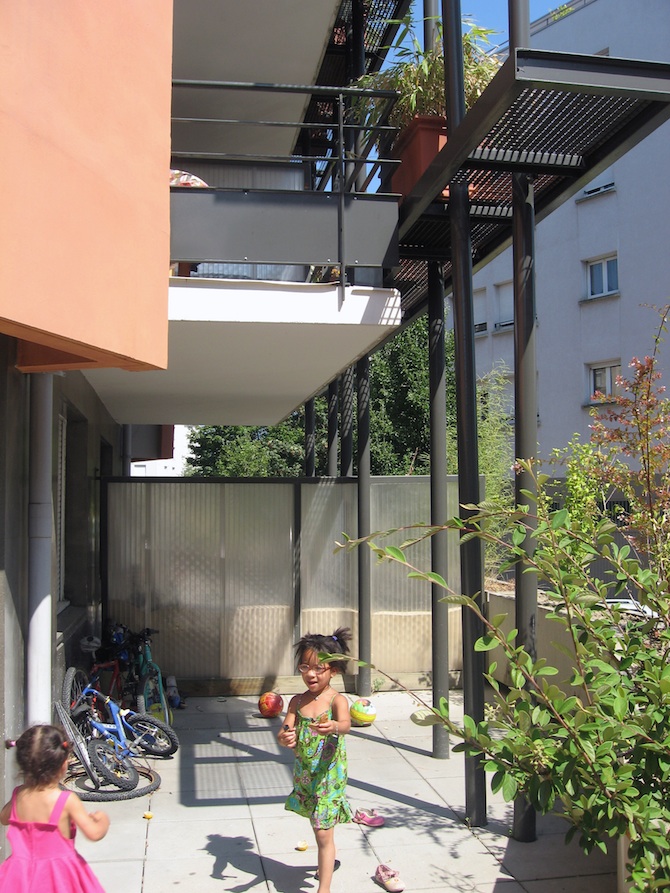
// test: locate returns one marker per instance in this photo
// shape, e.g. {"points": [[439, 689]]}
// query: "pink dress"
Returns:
{"points": [[42, 860]]}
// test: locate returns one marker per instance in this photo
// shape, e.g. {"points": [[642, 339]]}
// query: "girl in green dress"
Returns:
{"points": [[315, 725]]}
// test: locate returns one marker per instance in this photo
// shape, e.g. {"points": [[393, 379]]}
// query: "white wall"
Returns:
{"points": [[630, 219], [166, 467]]}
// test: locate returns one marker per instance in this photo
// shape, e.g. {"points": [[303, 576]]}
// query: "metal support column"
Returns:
{"points": [[333, 427], [430, 16], [39, 645], [310, 440], [525, 389], [347, 424], [466, 408], [363, 554], [127, 449], [438, 496]]}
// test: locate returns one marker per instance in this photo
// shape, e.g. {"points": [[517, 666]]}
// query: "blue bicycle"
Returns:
{"points": [[115, 736]]}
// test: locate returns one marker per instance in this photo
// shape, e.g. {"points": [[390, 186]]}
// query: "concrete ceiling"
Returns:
{"points": [[245, 41], [244, 352], [248, 353]]}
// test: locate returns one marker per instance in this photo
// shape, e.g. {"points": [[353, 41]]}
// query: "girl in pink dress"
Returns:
{"points": [[43, 820]]}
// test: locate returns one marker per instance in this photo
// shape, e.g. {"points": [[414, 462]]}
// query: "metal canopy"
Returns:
{"points": [[560, 118]]}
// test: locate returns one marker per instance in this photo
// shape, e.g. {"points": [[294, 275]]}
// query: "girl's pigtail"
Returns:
{"points": [[9, 744]]}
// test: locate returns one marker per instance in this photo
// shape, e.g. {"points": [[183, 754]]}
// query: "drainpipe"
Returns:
{"points": [[525, 390], [466, 409], [39, 646]]}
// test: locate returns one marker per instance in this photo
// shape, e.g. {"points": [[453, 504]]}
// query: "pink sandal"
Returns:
{"points": [[389, 879], [362, 817]]}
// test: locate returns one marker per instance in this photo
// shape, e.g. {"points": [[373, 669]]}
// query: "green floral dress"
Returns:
{"points": [[319, 776]]}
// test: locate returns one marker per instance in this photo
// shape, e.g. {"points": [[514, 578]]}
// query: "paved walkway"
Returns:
{"points": [[219, 824]]}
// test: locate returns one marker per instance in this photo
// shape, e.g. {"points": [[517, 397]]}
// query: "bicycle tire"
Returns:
{"points": [[113, 768], [78, 743], [74, 682], [76, 780], [157, 738]]}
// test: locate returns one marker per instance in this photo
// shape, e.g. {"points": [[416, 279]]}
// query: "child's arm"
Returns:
{"points": [[5, 813], [93, 825], [286, 735], [340, 724]]}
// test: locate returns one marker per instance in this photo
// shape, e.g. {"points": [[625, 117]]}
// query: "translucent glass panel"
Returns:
{"points": [[166, 570], [328, 580], [212, 566], [398, 502], [257, 619]]}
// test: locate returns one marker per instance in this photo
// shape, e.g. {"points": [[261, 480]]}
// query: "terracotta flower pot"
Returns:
{"points": [[417, 145]]}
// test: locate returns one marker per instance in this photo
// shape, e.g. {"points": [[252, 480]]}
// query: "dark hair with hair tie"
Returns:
{"points": [[40, 753], [333, 644]]}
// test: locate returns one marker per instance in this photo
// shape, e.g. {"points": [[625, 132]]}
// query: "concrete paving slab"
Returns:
{"points": [[209, 873], [118, 874], [217, 827]]}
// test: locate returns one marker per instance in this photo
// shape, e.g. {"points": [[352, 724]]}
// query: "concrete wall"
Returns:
{"points": [[92, 436], [629, 219], [14, 397], [84, 224]]}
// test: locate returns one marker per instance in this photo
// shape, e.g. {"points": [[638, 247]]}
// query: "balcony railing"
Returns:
{"points": [[305, 214]]}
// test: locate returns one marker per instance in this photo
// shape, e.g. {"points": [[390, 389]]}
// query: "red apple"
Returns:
{"points": [[270, 704]]}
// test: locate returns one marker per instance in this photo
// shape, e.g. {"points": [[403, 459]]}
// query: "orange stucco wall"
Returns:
{"points": [[85, 156]]}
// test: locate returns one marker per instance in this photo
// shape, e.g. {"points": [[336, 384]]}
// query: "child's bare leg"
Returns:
{"points": [[325, 841]]}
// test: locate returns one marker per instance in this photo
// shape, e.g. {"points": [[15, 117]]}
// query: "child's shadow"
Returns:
{"points": [[237, 856]]}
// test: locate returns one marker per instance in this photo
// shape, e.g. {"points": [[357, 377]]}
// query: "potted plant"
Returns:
{"points": [[595, 748], [419, 114]]}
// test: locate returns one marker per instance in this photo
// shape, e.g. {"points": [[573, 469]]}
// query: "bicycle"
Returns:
{"points": [[120, 688], [136, 680], [151, 697], [116, 736]]}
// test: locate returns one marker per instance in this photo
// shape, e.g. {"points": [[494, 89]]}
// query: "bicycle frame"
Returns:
{"points": [[150, 689], [116, 684], [119, 732]]}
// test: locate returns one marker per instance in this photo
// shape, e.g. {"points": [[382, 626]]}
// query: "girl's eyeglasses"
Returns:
{"points": [[305, 668]]}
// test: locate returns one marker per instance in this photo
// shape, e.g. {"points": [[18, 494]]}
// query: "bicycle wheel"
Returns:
{"points": [[153, 736], [76, 781], [74, 682], [151, 697], [78, 743], [114, 768]]}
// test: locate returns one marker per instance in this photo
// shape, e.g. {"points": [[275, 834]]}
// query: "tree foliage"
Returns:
{"points": [[257, 451], [594, 747]]}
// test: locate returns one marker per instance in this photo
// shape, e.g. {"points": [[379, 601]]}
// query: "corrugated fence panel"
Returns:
{"points": [[329, 581], [401, 608], [127, 567], [183, 577], [186, 598], [211, 566], [257, 631]]}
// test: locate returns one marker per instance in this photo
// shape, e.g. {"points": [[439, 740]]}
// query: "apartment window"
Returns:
{"points": [[603, 276], [603, 380], [480, 311], [505, 302]]}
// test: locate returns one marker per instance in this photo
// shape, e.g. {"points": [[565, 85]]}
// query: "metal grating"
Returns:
{"points": [[558, 118]]}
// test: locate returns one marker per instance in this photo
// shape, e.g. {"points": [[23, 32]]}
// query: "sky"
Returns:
{"points": [[494, 14]]}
